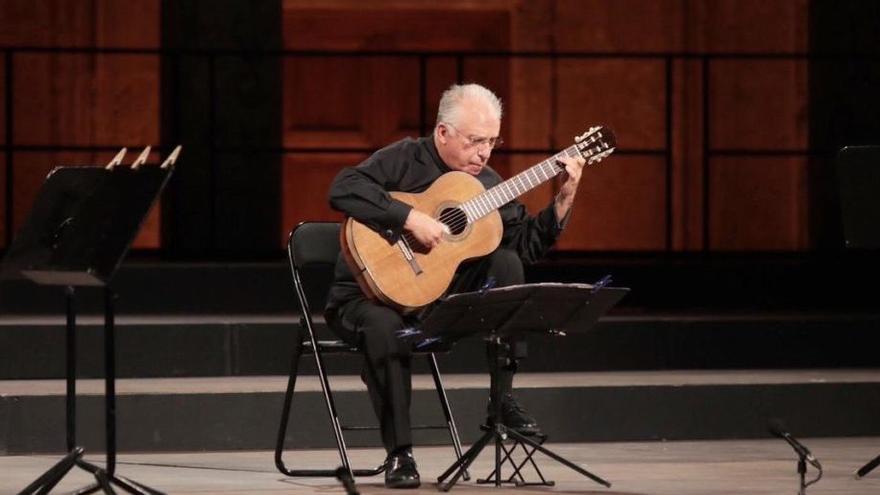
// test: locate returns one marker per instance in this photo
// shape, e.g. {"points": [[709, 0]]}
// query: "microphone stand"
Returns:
{"points": [[802, 471], [804, 456], [867, 468]]}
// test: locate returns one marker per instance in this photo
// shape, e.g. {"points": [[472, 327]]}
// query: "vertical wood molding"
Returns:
{"points": [[687, 156]]}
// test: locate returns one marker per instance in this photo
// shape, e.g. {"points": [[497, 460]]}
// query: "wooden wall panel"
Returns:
{"points": [[368, 102], [129, 24], [3, 100], [531, 120], [127, 105], [305, 182], [400, 25], [533, 25], [621, 205], [619, 25], [493, 73], [440, 73], [82, 100], [757, 104], [350, 102], [47, 23], [54, 99], [748, 25], [626, 95], [758, 204], [109, 23]]}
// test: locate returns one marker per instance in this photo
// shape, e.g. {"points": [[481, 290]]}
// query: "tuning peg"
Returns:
{"points": [[172, 158], [141, 159], [599, 157], [116, 159]]}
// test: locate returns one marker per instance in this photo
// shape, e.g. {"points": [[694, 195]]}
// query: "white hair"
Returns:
{"points": [[450, 102]]}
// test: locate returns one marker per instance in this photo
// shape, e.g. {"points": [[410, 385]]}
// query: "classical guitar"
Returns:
{"points": [[406, 275]]}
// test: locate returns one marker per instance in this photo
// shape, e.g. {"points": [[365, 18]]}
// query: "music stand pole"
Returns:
{"points": [[110, 378], [70, 343]]}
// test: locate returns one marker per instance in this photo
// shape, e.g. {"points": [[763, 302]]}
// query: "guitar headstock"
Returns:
{"points": [[595, 144]]}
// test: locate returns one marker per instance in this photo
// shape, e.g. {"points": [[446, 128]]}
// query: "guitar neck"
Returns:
{"points": [[516, 186]]}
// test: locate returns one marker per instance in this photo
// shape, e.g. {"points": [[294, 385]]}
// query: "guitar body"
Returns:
{"points": [[410, 279]]}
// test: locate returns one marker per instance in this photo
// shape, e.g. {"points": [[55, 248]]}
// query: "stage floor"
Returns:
{"points": [[679, 468]]}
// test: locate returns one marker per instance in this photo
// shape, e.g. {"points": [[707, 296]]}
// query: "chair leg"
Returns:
{"points": [[298, 350], [447, 410], [288, 399], [331, 407]]}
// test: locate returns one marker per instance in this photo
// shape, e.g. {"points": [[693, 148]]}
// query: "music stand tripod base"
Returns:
{"points": [[516, 477]]}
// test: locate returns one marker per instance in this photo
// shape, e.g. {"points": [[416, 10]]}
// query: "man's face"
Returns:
{"points": [[467, 145]]}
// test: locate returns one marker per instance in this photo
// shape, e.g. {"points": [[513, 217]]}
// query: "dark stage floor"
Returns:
{"points": [[676, 468]]}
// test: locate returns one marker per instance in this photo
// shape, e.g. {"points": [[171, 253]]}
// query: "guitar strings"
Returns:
{"points": [[488, 197], [456, 224]]}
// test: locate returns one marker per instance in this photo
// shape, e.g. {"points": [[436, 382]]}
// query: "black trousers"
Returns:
{"points": [[387, 368]]}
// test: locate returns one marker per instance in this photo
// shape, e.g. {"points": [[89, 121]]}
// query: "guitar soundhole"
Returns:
{"points": [[455, 219]]}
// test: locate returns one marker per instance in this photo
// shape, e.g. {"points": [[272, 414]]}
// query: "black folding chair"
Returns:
{"points": [[312, 249]]}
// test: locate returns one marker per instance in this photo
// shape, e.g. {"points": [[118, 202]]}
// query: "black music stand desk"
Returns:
{"points": [[80, 228], [549, 308]]}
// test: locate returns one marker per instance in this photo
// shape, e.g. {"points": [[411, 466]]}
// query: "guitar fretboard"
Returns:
{"points": [[516, 186]]}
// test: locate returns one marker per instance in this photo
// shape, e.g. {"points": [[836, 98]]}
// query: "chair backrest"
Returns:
{"points": [[312, 249]]}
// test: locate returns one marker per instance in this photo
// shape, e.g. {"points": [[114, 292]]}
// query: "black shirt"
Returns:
{"points": [[412, 165]]}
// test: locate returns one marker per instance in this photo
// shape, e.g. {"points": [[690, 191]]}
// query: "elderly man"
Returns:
{"points": [[467, 130]]}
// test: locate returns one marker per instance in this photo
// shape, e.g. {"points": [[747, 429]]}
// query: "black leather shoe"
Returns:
{"points": [[515, 417], [400, 470]]}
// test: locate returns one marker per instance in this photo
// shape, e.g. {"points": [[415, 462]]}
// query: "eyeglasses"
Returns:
{"points": [[477, 141]]}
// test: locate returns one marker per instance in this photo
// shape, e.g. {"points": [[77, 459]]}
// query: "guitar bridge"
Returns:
{"points": [[409, 255]]}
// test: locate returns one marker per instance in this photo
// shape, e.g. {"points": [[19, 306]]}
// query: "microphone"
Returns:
{"points": [[777, 428]]}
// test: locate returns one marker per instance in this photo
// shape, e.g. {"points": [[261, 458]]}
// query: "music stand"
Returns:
{"points": [[80, 228], [548, 308], [858, 171]]}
